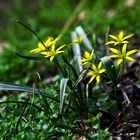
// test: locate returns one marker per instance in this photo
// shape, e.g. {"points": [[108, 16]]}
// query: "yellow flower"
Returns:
{"points": [[120, 39], [52, 52], [87, 58], [48, 43], [122, 55], [78, 39], [95, 72]]}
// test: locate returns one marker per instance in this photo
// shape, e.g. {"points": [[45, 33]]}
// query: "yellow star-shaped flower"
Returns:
{"points": [[122, 55], [47, 43], [95, 72], [87, 58], [78, 39], [120, 39], [52, 52]]}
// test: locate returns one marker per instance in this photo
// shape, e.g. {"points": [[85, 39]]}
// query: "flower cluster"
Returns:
{"points": [[121, 53], [120, 39], [96, 70], [87, 58], [48, 48]]}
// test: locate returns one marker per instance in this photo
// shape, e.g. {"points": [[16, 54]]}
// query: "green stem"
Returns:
{"points": [[99, 130], [45, 100], [121, 70], [31, 32], [61, 69]]}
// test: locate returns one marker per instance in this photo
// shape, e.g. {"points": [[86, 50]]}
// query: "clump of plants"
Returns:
{"points": [[75, 106]]}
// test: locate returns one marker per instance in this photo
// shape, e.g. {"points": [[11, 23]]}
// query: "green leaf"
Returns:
{"points": [[73, 96], [30, 57], [110, 68], [60, 67], [71, 67], [63, 84], [14, 87]]}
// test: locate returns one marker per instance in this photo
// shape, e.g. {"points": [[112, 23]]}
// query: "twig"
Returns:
{"points": [[115, 120], [73, 16], [125, 96], [136, 85], [25, 120], [20, 116]]}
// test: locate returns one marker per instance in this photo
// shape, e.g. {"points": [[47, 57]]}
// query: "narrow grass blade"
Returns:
{"points": [[30, 57], [72, 94], [71, 67], [14, 87], [106, 40], [60, 67], [63, 85]]}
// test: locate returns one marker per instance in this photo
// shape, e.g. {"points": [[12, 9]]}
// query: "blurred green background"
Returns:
{"points": [[47, 18]]}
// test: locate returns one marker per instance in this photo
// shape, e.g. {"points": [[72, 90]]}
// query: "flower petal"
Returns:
{"points": [[86, 54], [94, 67], [129, 58], [125, 42], [92, 53], [53, 47], [101, 71], [119, 61], [128, 36], [90, 73], [51, 58], [113, 56], [83, 60], [61, 47], [115, 51], [124, 49], [35, 50], [109, 42], [120, 35], [85, 63], [57, 38], [98, 78], [47, 56], [45, 53], [91, 79], [49, 41], [114, 37], [100, 65], [116, 43], [131, 52], [58, 52]]}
